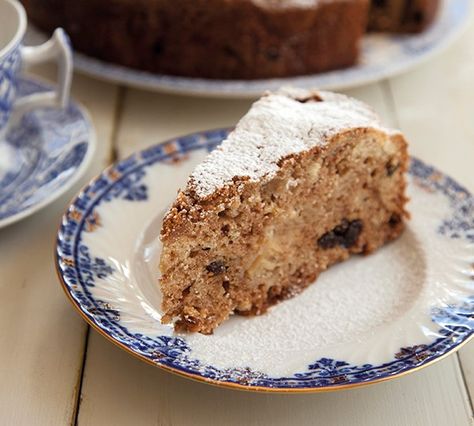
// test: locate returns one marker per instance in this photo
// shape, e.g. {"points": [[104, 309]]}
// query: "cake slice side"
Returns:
{"points": [[243, 244]]}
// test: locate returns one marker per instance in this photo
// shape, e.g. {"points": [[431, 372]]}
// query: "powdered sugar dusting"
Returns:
{"points": [[279, 124], [350, 301]]}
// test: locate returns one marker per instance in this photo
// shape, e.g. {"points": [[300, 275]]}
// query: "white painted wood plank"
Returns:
{"points": [[41, 337], [121, 390], [435, 105], [375, 95], [466, 356], [148, 118]]}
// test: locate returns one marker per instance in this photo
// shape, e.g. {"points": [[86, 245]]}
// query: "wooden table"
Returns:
{"points": [[54, 370]]}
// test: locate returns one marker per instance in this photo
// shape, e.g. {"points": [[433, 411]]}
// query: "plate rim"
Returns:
{"points": [[190, 85], [198, 377], [238, 386], [80, 171]]}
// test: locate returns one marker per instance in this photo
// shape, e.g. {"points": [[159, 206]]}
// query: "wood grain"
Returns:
{"points": [[148, 118], [41, 337], [42, 340], [121, 390], [436, 396], [435, 105]]}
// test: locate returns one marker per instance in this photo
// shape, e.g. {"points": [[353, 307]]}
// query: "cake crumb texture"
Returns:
{"points": [[306, 179]]}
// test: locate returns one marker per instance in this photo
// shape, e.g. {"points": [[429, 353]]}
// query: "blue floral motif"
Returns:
{"points": [[129, 188], [48, 147], [461, 222], [106, 307], [9, 68], [456, 318], [91, 267], [70, 161], [80, 270]]}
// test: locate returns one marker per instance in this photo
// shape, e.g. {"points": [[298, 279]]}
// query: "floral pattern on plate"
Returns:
{"points": [[42, 156], [101, 270]]}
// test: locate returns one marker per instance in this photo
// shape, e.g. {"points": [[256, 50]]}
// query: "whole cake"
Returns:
{"points": [[228, 39], [305, 180]]}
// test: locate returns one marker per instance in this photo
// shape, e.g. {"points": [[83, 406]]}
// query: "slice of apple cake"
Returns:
{"points": [[306, 179]]}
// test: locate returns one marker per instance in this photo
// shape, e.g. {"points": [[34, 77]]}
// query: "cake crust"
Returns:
{"points": [[241, 240]]}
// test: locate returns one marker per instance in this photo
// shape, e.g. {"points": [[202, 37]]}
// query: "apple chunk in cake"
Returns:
{"points": [[305, 180]]}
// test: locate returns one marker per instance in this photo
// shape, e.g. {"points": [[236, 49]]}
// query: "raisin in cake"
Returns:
{"points": [[227, 39], [305, 180], [404, 16]]}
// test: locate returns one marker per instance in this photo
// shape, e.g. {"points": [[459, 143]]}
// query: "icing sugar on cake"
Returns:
{"points": [[287, 122], [305, 180]]}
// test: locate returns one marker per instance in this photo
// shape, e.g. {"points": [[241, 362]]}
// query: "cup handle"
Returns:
{"points": [[57, 47]]}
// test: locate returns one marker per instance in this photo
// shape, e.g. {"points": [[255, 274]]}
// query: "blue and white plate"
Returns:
{"points": [[383, 56], [42, 156], [366, 320]]}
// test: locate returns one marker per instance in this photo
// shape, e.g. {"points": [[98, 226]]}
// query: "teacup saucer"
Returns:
{"points": [[42, 156]]}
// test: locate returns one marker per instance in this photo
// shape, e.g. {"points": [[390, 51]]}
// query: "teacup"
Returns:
{"points": [[13, 55]]}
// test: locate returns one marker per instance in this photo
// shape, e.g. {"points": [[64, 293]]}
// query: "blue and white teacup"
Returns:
{"points": [[13, 55]]}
